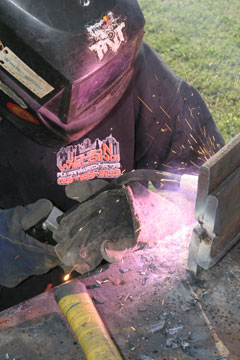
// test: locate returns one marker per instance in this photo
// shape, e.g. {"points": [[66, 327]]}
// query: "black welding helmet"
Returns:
{"points": [[64, 64]]}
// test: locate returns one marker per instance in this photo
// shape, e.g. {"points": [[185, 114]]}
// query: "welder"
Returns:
{"points": [[83, 101]]}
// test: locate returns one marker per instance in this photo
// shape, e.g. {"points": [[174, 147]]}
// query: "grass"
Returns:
{"points": [[200, 41]]}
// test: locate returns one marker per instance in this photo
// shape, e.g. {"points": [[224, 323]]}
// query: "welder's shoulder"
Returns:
{"points": [[155, 73]]}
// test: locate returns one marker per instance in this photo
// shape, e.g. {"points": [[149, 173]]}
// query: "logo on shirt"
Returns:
{"points": [[87, 160], [106, 35]]}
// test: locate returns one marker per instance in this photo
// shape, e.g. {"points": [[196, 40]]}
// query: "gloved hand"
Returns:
{"points": [[21, 254], [90, 232], [104, 225]]}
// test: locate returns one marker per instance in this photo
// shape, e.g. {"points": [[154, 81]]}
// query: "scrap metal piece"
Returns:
{"points": [[217, 208], [51, 222]]}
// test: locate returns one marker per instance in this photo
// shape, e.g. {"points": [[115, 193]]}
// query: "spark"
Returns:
{"points": [[150, 136], [169, 180], [105, 281], [200, 128], [138, 229], [168, 127], [125, 299], [133, 328], [67, 277], [170, 167], [145, 104], [183, 168], [173, 151], [165, 112], [194, 164], [191, 111], [188, 124], [193, 138], [204, 131], [178, 118], [156, 77]]}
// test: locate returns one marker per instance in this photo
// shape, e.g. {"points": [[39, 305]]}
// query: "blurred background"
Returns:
{"points": [[200, 41]]}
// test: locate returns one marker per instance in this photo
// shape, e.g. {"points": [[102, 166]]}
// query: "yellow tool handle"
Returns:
{"points": [[81, 314]]}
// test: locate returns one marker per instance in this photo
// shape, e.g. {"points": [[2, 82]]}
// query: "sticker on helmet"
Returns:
{"points": [[9, 92], [23, 114], [106, 35], [22, 72]]}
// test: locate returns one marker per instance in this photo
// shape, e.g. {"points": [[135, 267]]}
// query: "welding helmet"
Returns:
{"points": [[65, 64]]}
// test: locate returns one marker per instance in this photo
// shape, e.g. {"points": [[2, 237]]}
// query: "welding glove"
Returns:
{"points": [[101, 227], [107, 222], [21, 254]]}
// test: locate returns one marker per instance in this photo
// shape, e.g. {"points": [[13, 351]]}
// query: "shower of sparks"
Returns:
{"points": [[145, 104], [164, 111]]}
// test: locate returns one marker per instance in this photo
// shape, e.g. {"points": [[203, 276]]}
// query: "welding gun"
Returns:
{"points": [[186, 183]]}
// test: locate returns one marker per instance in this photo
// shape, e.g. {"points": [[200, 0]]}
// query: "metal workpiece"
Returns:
{"points": [[51, 223], [217, 207]]}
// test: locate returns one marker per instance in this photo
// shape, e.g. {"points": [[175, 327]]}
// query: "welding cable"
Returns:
{"points": [[81, 314]]}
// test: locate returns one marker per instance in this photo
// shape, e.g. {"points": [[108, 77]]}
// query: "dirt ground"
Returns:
{"points": [[149, 305]]}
